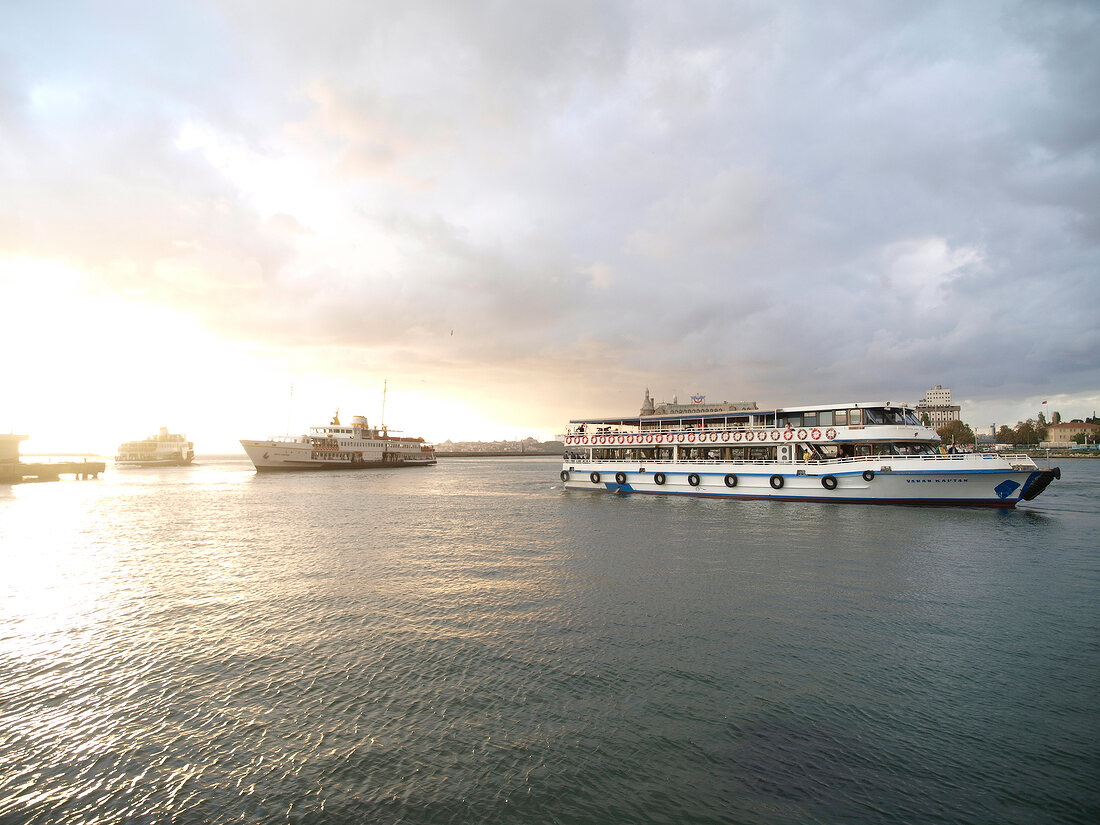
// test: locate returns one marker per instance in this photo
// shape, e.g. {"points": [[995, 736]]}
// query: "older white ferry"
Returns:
{"points": [[337, 446], [871, 451], [163, 449]]}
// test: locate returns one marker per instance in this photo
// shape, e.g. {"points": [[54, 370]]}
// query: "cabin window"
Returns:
{"points": [[825, 418], [810, 419], [854, 418], [840, 418]]}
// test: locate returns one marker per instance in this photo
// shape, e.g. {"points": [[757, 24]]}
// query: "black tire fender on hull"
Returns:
{"points": [[1037, 483]]}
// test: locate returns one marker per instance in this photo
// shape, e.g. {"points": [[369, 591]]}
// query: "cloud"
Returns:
{"points": [[779, 202]]}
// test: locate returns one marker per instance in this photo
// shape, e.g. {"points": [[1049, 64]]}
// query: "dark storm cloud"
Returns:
{"points": [[781, 202]]}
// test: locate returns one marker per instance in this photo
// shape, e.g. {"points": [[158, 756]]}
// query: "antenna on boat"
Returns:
{"points": [[289, 404], [384, 383]]}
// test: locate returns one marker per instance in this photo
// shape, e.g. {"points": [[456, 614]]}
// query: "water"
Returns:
{"points": [[471, 643]]}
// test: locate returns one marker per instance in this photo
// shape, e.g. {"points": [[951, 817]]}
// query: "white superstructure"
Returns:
{"points": [[875, 452], [165, 448], [337, 446]]}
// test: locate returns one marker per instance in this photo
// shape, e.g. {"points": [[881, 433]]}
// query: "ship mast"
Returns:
{"points": [[289, 404], [384, 383]]}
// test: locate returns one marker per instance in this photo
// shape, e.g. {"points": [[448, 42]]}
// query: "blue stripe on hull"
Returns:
{"points": [[935, 502]]}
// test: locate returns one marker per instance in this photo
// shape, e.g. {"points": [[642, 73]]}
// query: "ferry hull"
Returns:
{"points": [[158, 462], [965, 486], [271, 456]]}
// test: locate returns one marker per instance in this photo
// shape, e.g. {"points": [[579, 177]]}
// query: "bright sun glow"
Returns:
{"points": [[86, 371]]}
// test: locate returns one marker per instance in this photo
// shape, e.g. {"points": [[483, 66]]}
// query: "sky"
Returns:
{"points": [[235, 218]]}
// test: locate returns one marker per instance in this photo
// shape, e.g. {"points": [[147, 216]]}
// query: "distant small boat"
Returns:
{"points": [[337, 446], [163, 449]]}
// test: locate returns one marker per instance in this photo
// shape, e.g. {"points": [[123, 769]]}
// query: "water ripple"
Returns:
{"points": [[470, 643]]}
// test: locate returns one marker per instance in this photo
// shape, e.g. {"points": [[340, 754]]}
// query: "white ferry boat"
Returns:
{"points": [[165, 449], [873, 452], [336, 446]]}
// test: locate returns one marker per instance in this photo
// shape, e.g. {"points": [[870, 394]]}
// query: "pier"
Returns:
{"points": [[14, 471], [18, 472]]}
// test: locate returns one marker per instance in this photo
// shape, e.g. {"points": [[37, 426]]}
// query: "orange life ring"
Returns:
{"points": [[775, 435], [691, 436], [649, 438], [788, 434], [737, 435], [830, 433], [815, 433], [725, 436], [802, 435], [714, 436], [584, 439]]}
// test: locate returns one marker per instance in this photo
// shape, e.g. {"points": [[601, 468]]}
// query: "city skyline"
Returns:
{"points": [[519, 215]]}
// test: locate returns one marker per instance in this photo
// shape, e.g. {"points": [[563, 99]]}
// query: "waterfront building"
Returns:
{"points": [[937, 405], [9, 447], [1062, 434]]}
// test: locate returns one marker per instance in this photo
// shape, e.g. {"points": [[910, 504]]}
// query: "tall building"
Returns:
{"points": [[937, 405]]}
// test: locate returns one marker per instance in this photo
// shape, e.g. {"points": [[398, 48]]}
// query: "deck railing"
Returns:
{"points": [[1017, 459]]}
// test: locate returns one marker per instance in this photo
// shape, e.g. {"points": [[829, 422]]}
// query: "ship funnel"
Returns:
{"points": [[359, 421]]}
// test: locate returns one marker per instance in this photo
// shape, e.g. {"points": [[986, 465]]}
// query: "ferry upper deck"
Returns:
{"points": [[857, 414]]}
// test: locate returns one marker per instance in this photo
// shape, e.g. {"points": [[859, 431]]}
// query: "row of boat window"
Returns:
{"points": [[848, 418], [819, 452]]}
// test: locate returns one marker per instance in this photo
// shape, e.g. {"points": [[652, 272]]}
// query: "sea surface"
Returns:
{"points": [[471, 643]]}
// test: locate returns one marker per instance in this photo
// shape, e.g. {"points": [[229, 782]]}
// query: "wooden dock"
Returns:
{"points": [[17, 472]]}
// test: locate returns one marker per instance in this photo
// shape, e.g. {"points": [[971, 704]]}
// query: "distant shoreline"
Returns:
{"points": [[470, 454]]}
